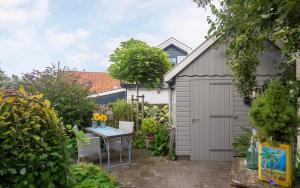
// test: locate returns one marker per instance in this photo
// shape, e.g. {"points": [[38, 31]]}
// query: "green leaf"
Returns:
{"points": [[12, 171], [43, 156], [23, 171], [36, 137]]}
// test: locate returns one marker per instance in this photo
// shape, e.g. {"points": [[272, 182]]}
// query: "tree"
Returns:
{"points": [[136, 62], [246, 24], [273, 115], [68, 96]]}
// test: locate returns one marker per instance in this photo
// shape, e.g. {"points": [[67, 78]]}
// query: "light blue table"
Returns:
{"points": [[107, 134]]}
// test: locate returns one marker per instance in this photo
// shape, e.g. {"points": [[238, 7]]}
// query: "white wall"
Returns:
{"points": [[152, 96]]}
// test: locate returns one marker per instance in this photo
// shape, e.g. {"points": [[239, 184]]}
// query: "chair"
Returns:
{"points": [[91, 147], [119, 144]]}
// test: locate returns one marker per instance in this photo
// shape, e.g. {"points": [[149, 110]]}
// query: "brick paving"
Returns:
{"points": [[159, 172]]}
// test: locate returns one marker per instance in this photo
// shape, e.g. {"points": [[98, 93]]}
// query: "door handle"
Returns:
{"points": [[193, 119]]}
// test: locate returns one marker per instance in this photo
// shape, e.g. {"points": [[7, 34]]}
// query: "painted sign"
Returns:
{"points": [[274, 164]]}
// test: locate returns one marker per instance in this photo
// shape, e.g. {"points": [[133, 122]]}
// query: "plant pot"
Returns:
{"points": [[274, 162], [148, 140]]}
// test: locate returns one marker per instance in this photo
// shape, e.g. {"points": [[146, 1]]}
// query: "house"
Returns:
{"points": [[205, 108], [103, 88], [176, 51]]}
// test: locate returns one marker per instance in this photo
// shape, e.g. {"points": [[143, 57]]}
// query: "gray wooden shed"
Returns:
{"points": [[205, 108]]}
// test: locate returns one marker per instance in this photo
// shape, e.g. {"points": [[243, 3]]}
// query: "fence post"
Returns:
{"points": [[132, 109], [298, 101], [143, 103]]}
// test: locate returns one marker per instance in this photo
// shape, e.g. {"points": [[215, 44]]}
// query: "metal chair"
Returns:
{"points": [[119, 144], [91, 147]]}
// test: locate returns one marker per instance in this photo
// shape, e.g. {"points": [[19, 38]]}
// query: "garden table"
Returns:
{"points": [[107, 134]]}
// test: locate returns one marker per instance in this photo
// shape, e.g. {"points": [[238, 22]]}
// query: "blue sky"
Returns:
{"points": [[82, 34]]}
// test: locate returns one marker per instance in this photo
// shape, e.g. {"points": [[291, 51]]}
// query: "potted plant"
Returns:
{"points": [[149, 127], [276, 122], [99, 120]]}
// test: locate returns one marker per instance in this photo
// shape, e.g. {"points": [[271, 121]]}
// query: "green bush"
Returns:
{"points": [[122, 111], [68, 96], [160, 144], [89, 176], [160, 114], [273, 116], [242, 143], [33, 144], [149, 126], [139, 140]]}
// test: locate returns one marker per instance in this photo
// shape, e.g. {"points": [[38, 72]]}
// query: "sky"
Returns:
{"points": [[81, 34]]}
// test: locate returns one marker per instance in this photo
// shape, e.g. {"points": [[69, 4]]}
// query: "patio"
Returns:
{"points": [[148, 171]]}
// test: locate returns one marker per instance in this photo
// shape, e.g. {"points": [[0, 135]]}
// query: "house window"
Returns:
{"points": [[173, 60]]}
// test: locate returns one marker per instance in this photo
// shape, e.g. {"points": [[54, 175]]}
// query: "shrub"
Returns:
{"points": [[33, 144], [273, 116], [68, 96], [242, 143], [160, 114], [149, 126], [139, 140], [89, 176], [122, 111], [160, 144]]}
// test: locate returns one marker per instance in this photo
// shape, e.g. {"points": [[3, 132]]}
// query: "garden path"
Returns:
{"points": [[150, 172]]}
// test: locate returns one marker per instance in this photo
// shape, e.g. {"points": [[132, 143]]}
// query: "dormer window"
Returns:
{"points": [[173, 60]]}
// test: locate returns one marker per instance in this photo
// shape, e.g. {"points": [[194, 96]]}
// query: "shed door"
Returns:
{"points": [[211, 120]]}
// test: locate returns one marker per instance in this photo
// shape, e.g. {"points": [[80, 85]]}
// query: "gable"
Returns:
{"points": [[213, 62], [174, 51], [209, 59]]}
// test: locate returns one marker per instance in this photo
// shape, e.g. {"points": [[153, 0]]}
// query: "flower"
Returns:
{"points": [[99, 117], [272, 182]]}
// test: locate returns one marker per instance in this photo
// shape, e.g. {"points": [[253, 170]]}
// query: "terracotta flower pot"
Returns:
{"points": [[148, 140]]}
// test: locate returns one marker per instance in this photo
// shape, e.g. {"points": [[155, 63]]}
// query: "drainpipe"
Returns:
{"points": [[170, 106]]}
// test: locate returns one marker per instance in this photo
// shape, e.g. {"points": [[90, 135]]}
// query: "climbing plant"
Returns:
{"points": [[246, 25]]}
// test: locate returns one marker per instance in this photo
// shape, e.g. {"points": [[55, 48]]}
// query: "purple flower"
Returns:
{"points": [[272, 182]]}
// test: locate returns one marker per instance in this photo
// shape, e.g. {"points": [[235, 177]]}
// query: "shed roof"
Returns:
{"points": [[190, 58]]}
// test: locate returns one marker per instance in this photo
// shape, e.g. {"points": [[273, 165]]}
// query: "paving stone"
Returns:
{"points": [[159, 172]]}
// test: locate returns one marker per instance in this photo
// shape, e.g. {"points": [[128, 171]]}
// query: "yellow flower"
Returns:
{"points": [[96, 116], [104, 118]]}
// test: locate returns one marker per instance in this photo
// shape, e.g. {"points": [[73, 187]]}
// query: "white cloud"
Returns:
{"points": [[188, 25], [80, 57], [12, 3], [18, 13], [61, 39]]}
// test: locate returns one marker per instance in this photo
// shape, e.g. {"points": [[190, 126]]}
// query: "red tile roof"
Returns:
{"points": [[100, 81]]}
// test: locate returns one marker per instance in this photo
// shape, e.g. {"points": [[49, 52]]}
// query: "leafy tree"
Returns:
{"points": [[137, 62], [246, 24], [273, 116], [69, 97]]}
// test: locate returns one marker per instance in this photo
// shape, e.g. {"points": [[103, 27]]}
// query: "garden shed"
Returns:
{"points": [[205, 108]]}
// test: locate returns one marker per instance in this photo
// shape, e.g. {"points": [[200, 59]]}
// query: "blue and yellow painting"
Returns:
{"points": [[274, 163]]}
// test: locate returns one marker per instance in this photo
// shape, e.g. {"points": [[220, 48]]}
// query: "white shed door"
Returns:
{"points": [[211, 120]]}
